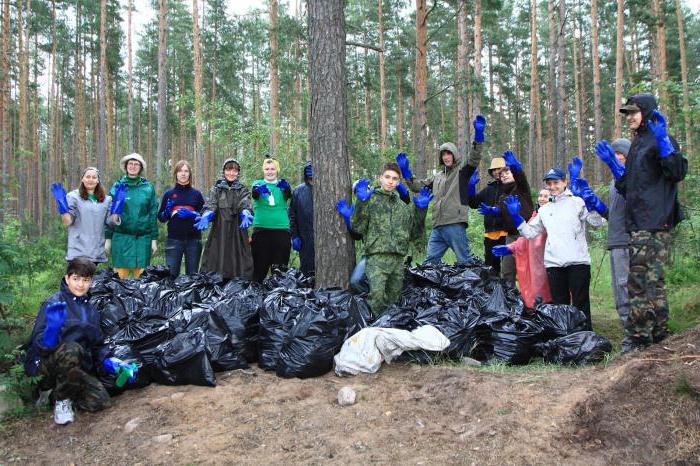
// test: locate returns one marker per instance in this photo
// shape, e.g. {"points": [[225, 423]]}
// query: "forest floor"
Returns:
{"points": [[642, 408]]}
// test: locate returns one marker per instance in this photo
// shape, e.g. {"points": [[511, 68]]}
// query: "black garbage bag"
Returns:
{"points": [[141, 334], [155, 273], [457, 322], [102, 277], [426, 275], [128, 355], [225, 350], [172, 302], [277, 315], [234, 287], [559, 320], [421, 297], [395, 316], [206, 285], [510, 340], [241, 316], [288, 279], [152, 291], [340, 300], [460, 281], [112, 311], [183, 360], [495, 307], [578, 348]]}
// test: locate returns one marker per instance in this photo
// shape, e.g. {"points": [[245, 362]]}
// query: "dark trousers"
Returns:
{"points": [[63, 372], [569, 285], [269, 247], [176, 248], [489, 259]]}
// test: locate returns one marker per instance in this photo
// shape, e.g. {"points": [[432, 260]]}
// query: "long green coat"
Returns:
{"points": [[131, 240]]}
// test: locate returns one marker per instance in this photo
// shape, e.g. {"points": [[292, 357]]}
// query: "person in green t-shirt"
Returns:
{"points": [[271, 240]]}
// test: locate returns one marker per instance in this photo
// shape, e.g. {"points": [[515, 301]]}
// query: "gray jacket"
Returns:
{"points": [[617, 229], [86, 233]]}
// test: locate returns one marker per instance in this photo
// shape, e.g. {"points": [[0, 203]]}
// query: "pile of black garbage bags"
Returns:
{"points": [[182, 331]]}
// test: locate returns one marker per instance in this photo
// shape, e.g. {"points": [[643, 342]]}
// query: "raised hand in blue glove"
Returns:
{"points": [[186, 213], [513, 205], [55, 317], [657, 125], [202, 221], [501, 250], [60, 195], [605, 152], [575, 167], [345, 210], [120, 192], [246, 219], [473, 181], [402, 190], [577, 185], [404, 165], [479, 127], [485, 209], [296, 243], [262, 191], [512, 162], [283, 184], [362, 190], [592, 201], [423, 198]]}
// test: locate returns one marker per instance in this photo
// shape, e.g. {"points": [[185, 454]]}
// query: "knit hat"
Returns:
{"points": [[133, 156], [273, 162], [554, 174], [622, 146]]}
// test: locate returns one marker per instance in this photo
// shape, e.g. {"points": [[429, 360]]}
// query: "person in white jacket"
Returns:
{"points": [[566, 256]]}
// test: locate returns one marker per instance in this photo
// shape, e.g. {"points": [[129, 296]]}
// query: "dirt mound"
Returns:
{"points": [[649, 408], [627, 412]]}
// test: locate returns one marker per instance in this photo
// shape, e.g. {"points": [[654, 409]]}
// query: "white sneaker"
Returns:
{"points": [[63, 412]]}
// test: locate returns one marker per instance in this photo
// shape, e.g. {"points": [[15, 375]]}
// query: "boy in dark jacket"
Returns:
{"points": [[649, 183], [66, 346], [301, 221]]}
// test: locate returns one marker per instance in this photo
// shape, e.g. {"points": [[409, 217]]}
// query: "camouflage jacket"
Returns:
{"points": [[386, 224]]}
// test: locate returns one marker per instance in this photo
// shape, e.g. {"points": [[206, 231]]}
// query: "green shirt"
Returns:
{"points": [[270, 213]]}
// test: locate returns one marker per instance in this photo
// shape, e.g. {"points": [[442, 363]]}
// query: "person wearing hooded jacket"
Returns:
{"points": [[649, 183], [301, 221], [228, 207], [450, 187], [494, 234], [135, 239]]}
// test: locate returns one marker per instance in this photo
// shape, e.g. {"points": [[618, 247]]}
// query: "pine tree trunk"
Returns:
{"points": [[597, 115], [274, 78], [130, 86], [577, 95], [79, 92], [660, 14], [399, 110], [161, 143], [102, 118], [382, 78], [552, 86], [476, 106], [23, 155], [199, 143], [461, 77], [583, 81], [335, 254], [368, 97], [421, 89], [535, 127], [6, 102], [684, 79], [562, 106], [619, 56]]}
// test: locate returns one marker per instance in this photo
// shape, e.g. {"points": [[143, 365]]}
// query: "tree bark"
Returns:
{"points": [[382, 84], [684, 79], [399, 110], [5, 96], [562, 107], [198, 143], [659, 14], [461, 93], [535, 127], [274, 78], [476, 107], [130, 85], [619, 56], [102, 118], [552, 85], [334, 249], [421, 89], [162, 92], [579, 134], [24, 150], [597, 115]]}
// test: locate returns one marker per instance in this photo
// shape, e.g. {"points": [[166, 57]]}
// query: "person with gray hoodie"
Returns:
{"points": [[85, 212], [450, 186]]}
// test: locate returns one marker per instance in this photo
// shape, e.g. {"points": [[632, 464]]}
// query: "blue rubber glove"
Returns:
{"points": [[345, 210], [402, 162], [262, 190], [402, 190], [296, 243], [202, 221], [168, 210], [246, 219], [60, 195], [501, 250], [605, 152], [657, 125], [479, 127], [513, 205], [577, 186], [473, 181], [115, 365], [423, 198], [55, 317], [283, 184], [575, 167], [362, 190], [512, 162], [592, 201], [485, 209], [186, 213], [120, 192]]}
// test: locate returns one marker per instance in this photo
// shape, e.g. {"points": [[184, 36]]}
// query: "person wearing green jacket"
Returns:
{"points": [[387, 227], [134, 240]]}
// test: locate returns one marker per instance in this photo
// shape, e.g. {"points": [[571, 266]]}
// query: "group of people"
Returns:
{"points": [[543, 246]]}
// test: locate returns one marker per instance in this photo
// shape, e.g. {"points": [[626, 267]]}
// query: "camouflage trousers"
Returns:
{"points": [[385, 276], [62, 371], [648, 306]]}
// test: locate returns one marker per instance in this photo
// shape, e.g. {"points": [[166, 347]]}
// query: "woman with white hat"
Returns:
{"points": [[134, 240]]}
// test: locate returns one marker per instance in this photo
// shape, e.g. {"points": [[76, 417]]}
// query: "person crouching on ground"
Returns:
{"points": [[67, 346], [387, 227]]}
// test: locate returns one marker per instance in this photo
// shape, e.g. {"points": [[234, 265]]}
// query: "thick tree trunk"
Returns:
{"points": [[619, 56], [274, 78], [102, 80], [660, 14], [684, 79], [198, 142], [334, 249], [421, 89], [162, 92]]}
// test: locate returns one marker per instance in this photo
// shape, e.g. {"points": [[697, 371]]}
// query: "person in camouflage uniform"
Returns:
{"points": [[649, 182], [387, 227]]}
